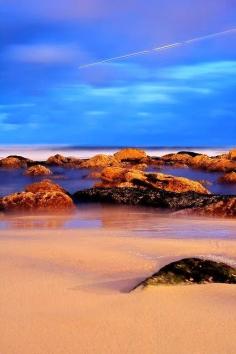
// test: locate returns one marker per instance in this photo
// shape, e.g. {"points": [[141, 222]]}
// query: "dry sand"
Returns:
{"points": [[66, 292]]}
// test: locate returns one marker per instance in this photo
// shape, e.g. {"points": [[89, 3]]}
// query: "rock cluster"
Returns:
{"points": [[191, 271], [121, 177]]}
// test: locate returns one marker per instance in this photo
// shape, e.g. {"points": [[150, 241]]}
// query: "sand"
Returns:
{"points": [[67, 292]]}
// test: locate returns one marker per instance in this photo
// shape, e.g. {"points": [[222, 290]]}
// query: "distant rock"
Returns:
{"points": [[120, 177], [38, 197], [99, 161], [232, 155], [38, 170], [59, 160], [14, 162], [228, 178], [191, 271], [130, 155]]}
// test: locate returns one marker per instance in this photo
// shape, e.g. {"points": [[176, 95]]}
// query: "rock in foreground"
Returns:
{"points": [[37, 198], [191, 271], [188, 202]]}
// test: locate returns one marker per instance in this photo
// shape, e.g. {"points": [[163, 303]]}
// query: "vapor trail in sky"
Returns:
{"points": [[162, 48]]}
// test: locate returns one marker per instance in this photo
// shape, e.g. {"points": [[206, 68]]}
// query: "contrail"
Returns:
{"points": [[162, 48]]}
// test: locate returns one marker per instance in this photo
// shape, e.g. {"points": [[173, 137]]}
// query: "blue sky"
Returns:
{"points": [[183, 96]]}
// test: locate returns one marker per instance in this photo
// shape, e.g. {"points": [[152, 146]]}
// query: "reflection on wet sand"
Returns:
{"points": [[146, 221]]}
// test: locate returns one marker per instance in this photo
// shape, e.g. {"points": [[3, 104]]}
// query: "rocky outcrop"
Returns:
{"points": [[59, 160], [120, 177], [38, 197], [148, 197], [223, 163], [228, 178], [191, 271], [130, 155], [14, 162], [99, 161], [38, 170]]}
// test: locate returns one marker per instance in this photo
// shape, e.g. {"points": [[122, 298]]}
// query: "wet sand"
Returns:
{"points": [[66, 291]]}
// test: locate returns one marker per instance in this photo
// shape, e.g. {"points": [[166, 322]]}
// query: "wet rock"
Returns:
{"points": [[119, 177], [222, 208], [14, 162], [228, 178], [130, 155], [59, 160], [149, 197], [99, 161], [38, 170], [191, 271], [38, 197]]}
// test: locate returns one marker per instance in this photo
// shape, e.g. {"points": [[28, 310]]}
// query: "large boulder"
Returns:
{"points": [[118, 177], [38, 170], [130, 155], [229, 177], [14, 162], [38, 197], [99, 161], [191, 271]]}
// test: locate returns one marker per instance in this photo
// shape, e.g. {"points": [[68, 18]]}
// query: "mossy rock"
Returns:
{"points": [[191, 271]]}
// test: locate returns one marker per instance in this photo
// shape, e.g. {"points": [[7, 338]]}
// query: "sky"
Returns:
{"points": [[183, 96]]}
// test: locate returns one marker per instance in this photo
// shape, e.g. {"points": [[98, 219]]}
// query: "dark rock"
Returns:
{"points": [[148, 197], [190, 271]]}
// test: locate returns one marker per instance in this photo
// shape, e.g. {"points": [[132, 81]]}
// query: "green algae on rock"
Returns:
{"points": [[191, 271]]}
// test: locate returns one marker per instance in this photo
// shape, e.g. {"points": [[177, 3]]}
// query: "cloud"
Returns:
{"points": [[42, 53], [201, 70]]}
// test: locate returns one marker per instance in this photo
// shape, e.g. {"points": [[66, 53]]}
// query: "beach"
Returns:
{"points": [[67, 290]]}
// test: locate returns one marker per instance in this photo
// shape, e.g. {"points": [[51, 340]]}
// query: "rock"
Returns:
{"points": [[14, 162], [191, 271], [148, 197], [44, 186], [119, 177], [177, 159], [229, 177], [38, 170], [130, 155], [99, 161], [59, 160], [38, 197], [41, 201], [222, 208], [232, 155]]}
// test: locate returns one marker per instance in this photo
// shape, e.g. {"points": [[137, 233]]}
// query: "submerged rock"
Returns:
{"points": [[38, 170], [14, 162], [42, 196], [191, 271], [130, 155], [120, 177]]}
